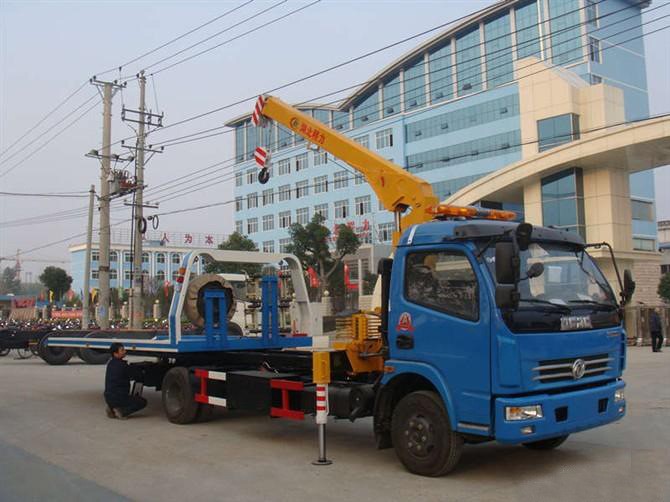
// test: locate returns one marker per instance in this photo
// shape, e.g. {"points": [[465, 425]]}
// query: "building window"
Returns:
{"points": [[268, 197], [595, 79], [321, 210], [160, 258], [665, 269], [391, 93], [499, 57], [341, 121], [252, 200], [238, 204], [594, 50], [238, 226], [251, 176], [113, 274], [642, 244], [642, 210], [441, 83], [563, 201], [239, 143], [284, 137], [301, 189], [320, 158], [321, 184], [95, 255], [283, 245], [268, 222], [384, 139], [145, 257], [527, 32], [468, 51], [284, 167], [566, 32], [268, 246], [284, 193], [113, 256], [592, 13], [557, 130], [95, 274], [322, 116], [127, 257], [285, 219], [239, 180], [367, 111], [175, 274], [341, 209], [364, 141], [302, 216], [385, 232], [363, 205], [301, 162], [340, 180], [359, 179], [160, 275], [415, 85], [128, 276], [252, 225], [176, 259]]}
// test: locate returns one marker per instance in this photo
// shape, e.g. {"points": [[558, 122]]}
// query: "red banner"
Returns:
{"points": [[65, 314], [23, 303]]}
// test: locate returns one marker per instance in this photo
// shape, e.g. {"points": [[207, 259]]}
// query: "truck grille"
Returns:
{"points": [[557, 370]]}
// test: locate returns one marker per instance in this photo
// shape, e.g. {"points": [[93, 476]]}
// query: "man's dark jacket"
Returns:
{"points": [[117, 382], [655, 323]]}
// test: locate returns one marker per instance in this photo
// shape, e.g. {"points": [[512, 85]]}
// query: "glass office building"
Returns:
{"points": [[449, 111]]}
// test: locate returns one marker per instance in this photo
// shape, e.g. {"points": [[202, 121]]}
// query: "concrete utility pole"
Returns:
{"points": [[87, 264], [137, 307], [108, 89]]}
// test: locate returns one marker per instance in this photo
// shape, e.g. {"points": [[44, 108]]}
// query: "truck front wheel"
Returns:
{"points": [[178, 396], [56, 356], [422, 435], [546, 444]]}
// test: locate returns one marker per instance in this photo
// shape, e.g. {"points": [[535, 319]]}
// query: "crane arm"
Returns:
{"points": [[397, 189]]}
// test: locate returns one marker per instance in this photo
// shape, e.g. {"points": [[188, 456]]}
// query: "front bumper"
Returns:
{"points": [[564, 413]]}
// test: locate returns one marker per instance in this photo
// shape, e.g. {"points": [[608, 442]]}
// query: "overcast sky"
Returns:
{"points": [[48, 49]]}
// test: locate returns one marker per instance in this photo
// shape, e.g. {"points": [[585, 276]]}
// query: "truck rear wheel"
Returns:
{"points": [[93, 356], [56, 356], [178, 397], [422, 435], [546, 444]]}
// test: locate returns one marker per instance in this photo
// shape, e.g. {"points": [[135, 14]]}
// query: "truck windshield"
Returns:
{"points": [[570, 278]]}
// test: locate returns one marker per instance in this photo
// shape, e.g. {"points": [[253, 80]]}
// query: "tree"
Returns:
{"points": [[310, 243], [56, 280], [10, 282], [664, 287], [235, 242]]}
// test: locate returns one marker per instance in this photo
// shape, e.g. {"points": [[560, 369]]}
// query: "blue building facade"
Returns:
{"points": [[449, 112]]}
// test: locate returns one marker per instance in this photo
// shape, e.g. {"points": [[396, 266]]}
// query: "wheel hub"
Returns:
{"points": [[419, 436]]}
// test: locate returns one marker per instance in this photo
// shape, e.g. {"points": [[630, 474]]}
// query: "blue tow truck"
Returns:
{"points": [[485, 329]]}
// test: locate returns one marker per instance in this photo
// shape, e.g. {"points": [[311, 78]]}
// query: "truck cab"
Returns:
{"points": [[529, 371]]}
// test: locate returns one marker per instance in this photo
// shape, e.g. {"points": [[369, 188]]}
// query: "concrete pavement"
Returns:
{"points": [[54, 437]]}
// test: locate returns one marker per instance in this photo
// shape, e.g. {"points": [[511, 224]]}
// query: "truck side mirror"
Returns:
{"points": [[523, 233], [628, 286], [507, 297], [507, 263]]}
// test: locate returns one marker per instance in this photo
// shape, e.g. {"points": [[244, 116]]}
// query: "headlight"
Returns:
{"points": [[523, 412], [619, 396]]}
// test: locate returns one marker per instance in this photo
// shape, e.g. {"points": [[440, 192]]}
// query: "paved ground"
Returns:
{"points": [[57, 444]]}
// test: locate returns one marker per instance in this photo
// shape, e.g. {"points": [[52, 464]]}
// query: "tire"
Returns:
{"points": [[422, 435], [546, 444], [93, 356], [234, 329], [4, 352], [178, 397], [56, 356]]}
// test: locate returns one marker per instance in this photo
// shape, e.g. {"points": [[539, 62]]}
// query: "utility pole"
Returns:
{"points": [[108, 89], [137, 307], [87, 263], [143, 119]]}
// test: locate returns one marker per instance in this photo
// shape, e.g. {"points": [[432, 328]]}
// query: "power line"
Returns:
{"points": [[63, 195]]}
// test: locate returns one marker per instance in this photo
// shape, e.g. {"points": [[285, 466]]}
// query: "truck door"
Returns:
{"points": [[440, 317]]}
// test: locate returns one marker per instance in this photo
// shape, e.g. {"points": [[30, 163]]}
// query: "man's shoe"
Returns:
{"points": [[119, 414], [109, 412]]}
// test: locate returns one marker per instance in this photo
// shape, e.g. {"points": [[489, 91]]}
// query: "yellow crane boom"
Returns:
{"points": [[397, 189]]}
